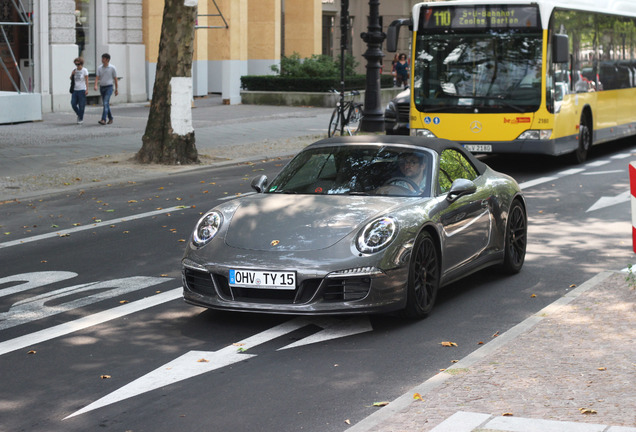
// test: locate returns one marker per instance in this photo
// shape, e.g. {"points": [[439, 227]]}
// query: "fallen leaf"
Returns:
{"points": [[417, 396], [454, 361], [347, 421], [496, 334], [181, 240], [105, 376], [203, 361], [448, 344], [573, 286], [132, 201], [533, 296], [380, 404], [602, 368], [32, 352], [507, 414], [123, 301], [480, 343], [164, 275], [587, 411]]}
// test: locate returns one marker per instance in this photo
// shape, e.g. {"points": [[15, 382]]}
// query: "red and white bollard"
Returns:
{"points": [[632, 189]]}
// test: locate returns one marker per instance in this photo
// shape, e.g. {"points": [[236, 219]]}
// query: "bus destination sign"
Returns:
{"points": [[479, 17]]}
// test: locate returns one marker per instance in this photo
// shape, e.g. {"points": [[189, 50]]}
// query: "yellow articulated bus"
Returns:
{"points": [[541, 77]]}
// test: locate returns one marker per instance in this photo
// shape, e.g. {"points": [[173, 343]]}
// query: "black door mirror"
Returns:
{"points": [[560, 49], [460, 187]]}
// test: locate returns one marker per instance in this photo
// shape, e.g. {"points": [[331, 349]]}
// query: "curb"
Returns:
{"points": [[402, 402]]}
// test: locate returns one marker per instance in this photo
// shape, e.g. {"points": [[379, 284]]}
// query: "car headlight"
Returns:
{"points": [[207, 227], [376, 235]]}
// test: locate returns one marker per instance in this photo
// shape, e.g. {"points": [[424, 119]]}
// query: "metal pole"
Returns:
{"points": [[373, 115], [344, 30]]}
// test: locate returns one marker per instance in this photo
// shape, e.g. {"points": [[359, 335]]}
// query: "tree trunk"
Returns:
{"points": [[169, 136]]}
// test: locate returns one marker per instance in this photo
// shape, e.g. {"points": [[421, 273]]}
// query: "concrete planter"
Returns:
{"points": [[314, 99]]}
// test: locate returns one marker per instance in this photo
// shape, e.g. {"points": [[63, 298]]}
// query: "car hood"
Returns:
{"points": [[277, 222]]}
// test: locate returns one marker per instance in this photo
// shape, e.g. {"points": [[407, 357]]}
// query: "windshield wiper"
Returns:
{"points": [[500, 98]]}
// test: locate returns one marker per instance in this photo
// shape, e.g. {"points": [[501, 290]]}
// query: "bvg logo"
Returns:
{"points": [[476, 127]]}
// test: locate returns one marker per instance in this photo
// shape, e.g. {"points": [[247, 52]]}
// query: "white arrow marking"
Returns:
{"points": [[196, 363], [334, 329], [610, 201]]}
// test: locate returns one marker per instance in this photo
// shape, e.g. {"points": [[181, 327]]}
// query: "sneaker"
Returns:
{"points": [[80, 121]]}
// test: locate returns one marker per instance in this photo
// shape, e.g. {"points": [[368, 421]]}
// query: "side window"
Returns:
{"points": [[452, 166]]}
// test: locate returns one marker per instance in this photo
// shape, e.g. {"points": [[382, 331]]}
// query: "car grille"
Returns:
{"points": [[199, 282], [346, 289], [404, 110], [333, 289]]}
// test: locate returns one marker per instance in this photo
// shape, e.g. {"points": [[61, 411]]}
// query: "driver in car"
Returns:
{"points": [[413, 170]]}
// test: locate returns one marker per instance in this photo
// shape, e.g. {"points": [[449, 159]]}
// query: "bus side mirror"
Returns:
{"points": [[393, 32], [560, 48]]}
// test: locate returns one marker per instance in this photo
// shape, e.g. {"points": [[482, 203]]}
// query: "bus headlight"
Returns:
{"points": [[422, 133], [536, 134]]}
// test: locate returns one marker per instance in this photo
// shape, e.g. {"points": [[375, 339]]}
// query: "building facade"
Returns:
{"points": [[232, 38]]}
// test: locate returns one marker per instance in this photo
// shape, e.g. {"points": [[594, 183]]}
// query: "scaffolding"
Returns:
{"points": [[24, 18]]}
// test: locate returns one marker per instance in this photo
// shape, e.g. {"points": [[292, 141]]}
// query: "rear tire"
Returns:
{"points": [[334, 123], [353, 126], [516, 239], [423, 278]]}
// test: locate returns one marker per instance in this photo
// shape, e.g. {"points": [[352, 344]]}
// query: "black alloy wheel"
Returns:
{"points": [[516, 239], [424, 277]]}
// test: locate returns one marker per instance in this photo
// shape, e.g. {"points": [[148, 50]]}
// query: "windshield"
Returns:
{"points": [[480, 71], [357, 170]]}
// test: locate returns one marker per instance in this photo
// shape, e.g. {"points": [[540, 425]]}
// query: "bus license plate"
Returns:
{"points": [[478, 148], [263, 279]]}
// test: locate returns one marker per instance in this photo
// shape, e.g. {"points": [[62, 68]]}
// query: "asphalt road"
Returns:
{"points": [[94, 335]]}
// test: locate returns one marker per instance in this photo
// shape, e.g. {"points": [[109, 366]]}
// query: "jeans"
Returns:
{"points": [[78, 103], [106, 92]]}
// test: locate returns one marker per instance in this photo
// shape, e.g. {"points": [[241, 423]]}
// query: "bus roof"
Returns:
{"points": [[615, 7]]}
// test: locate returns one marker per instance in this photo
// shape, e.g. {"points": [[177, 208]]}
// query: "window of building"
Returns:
{"points": [[85, 33]]}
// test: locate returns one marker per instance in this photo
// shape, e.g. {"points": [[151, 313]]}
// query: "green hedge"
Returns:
{"points": [[278, 83]]}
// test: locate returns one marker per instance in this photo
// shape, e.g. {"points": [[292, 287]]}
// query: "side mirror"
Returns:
{"points": [[460, 187], [259, 183], [393, 33], [560, 49]]}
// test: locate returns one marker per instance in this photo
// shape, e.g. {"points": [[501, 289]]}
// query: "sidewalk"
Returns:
{"points": [[57, 154], [571, 367]]}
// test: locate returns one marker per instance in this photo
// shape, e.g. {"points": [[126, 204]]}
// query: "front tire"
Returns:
{"points": [[516, 239], [423, 278], [585, 142], [334, 123]]}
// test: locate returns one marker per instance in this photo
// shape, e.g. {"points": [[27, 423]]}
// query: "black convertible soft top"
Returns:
{"points": [[438, 145]]}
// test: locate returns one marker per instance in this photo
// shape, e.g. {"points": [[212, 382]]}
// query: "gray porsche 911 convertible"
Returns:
{"points": [[357, 225]]}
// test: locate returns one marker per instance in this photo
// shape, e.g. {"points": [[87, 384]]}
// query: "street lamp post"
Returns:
{"points": [[373, 116]]}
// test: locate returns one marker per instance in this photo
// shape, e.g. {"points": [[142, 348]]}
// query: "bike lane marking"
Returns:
{"points": [[91, 226], [88, 321]]}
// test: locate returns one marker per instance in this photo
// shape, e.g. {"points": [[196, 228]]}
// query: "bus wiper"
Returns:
{"points": [[500, 99]]}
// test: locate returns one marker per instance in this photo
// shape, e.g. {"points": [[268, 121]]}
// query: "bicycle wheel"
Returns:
{"points": [[355, 117], [334, 123]]}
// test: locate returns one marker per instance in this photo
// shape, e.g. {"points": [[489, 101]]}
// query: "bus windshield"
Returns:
{"points": [[484, 70]]}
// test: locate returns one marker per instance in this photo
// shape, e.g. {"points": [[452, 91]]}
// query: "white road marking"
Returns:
{"points": [[88, 321], [36, 307], [622, 156], [610, 201], [196, 363], [603, 172], [91, 226], [33, 280]]}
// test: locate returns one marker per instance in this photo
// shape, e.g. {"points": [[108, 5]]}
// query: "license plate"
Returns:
{"points": [[263, 279], [478, 148]]}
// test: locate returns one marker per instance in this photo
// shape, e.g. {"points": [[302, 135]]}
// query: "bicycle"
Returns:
{"points": [[346, 116]]}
